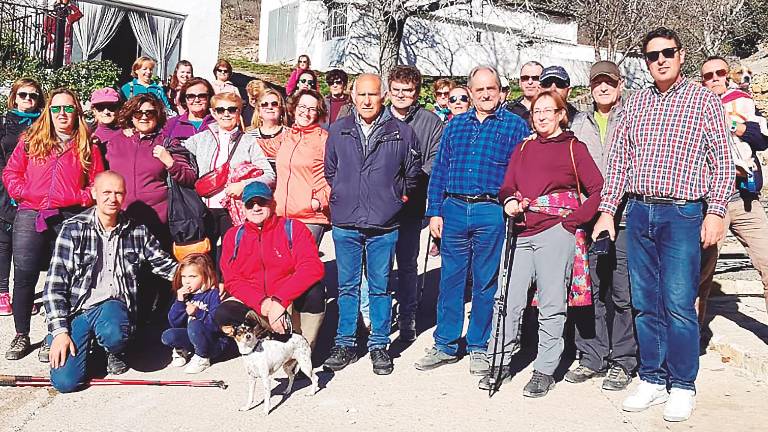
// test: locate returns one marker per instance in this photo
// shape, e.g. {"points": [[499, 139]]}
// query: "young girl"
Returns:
{"points": [[191, 315]]}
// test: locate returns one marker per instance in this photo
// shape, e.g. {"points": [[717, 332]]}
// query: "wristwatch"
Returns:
{"points": [[733, 127]]}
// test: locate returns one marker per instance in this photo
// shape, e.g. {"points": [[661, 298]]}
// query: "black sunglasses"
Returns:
{"points": [[709, 75], [306, 81], [27, 95], [526, 78], [226, 71], [258, 201], [139, 114], [221, 110], [547, 83], [273, 104], [193, 96], [105, 107], [454, 99], [668, 53], [336, 82]]}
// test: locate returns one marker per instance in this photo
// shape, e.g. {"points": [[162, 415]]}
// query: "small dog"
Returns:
{"points": [[740, 76], [264, 356]]}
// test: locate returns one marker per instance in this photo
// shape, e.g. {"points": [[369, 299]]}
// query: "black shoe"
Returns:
{"points": [[617, 379], [582, 374], [382, 362], [20, 346], [116, 364], [485, 381], [45, 349], [539, 385], [407, 329], [340, 358]]}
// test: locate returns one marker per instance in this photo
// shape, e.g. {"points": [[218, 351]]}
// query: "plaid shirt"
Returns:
{"points": [[473, 156], [71, 273], [671, 145]]}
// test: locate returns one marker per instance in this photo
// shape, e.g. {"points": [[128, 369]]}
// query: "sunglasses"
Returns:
{"points": [[26, 95], [304, 108], [224, 71], [104, 107], [337, 82], [454, 99], [230, 109], [668, 53], [140, 114], [258, 201], [273, 104], [709, 75], [69, 109], [526, 78], [192, 96], [442, 93], [306, 81], [547, 83]]}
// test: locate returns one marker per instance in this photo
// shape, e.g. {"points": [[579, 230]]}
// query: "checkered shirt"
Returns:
{"points": [[671, 145], [473, 156]]}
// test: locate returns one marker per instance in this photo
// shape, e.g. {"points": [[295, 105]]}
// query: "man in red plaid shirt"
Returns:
{"points": [[671, 156]]}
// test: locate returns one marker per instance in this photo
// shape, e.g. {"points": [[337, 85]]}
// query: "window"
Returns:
{"points": [[336, 26]]}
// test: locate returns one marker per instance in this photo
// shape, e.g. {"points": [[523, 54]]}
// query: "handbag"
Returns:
{"points": [[214, 181], [580, 293]]}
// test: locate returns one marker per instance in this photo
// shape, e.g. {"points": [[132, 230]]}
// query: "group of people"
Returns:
{"points": [[514, 190]]}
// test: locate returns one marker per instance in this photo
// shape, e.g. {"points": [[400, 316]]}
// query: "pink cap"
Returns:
{"points": [[105, 95]]}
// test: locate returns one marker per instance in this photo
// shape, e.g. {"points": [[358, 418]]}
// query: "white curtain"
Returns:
{"points": [[97, 27], [156, 35]]}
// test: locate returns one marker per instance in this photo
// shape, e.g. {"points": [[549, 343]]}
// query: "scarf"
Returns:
{"points": [[27, 118]]}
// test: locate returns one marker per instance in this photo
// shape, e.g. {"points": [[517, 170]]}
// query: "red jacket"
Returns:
{"points": [[266, 267], [58, 181]]}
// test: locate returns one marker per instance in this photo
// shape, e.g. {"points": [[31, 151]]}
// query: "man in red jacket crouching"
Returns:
{"points": [[267, 263]]}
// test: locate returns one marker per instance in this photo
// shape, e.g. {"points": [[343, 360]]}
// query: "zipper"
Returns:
{"points": [[53, 178], [290, 175], [263, 264]]}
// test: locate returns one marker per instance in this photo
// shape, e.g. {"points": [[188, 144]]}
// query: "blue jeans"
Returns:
{"points": [[109, 324], [664, 263], [379, 248], [196, 338], [471, 232]]}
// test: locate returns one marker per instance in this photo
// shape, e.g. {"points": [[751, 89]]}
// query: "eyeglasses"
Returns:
{"points": [[104, 107], [27, 95], [668, 53], [224, 71], [229, 109], [441, 94], [140, 114], [546, 112], [306, 81], [304, 108], [709, 75], [69, 109], [273, 104], [557, 82], [526, 78], [258, 201], [337, 82], [193, 96], [403, 91], [454, 99]]}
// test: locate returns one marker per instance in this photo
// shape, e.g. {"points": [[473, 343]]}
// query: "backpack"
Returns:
{"points": [[241, 231], [186, 211]]}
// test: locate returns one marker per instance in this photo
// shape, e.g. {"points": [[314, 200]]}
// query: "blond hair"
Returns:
{"points": [[140, 62], [256, 119], [226, 96]]}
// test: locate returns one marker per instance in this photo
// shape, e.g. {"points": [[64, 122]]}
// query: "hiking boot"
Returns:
{"points": [[582, 374], [116, 364], [617, 378], [485, 381], [434, 359], [382, 362], [407, 330], [645, 396], [20, 346], [539, 385], [44, 351], [680, 405], [179, 357], [5, 304], [478, 363], [340, 358], [197, 364]]}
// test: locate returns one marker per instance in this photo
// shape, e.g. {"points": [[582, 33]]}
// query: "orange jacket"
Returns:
{"points": [[301, 176]]}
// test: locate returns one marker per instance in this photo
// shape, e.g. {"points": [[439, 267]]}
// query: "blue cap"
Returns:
{"points": [[555, 72], [256, 189]]}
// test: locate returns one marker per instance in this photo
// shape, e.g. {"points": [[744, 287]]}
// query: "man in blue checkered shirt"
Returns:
{"points": [[464, 208]]}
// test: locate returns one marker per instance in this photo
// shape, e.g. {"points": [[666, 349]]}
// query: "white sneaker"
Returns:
{"points": [[680, 405], [645, 396], [197, 364], [178, 357]]}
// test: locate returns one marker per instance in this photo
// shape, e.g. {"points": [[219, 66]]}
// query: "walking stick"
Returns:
{"points": [[39, 381], [501, 317], [424, 275]]}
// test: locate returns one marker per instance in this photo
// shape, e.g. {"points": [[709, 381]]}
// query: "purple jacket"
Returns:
{"points": [[105, 134], [179, 127], [146, 198]]}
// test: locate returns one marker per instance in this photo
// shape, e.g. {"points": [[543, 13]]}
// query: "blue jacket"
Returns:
{"points": [[368, 186], [206, 301], [133, 88]]}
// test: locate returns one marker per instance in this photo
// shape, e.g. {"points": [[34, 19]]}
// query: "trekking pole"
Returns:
{"points": [[38, 381], [424, 275], [501, 303]]}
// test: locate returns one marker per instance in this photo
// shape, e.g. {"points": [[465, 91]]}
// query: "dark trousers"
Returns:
{"points": [[605, 331], [216, 225], [196, 338], [6, 250]]}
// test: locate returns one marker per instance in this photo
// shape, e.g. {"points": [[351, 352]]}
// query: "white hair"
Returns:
{"points": [[383, 87], [477, 69]]}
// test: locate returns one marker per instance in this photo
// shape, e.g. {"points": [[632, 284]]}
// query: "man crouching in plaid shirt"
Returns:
{"points": [[90, 290], [670, 155]]}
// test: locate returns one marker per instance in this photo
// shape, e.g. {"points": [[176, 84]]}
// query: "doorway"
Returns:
{"points": [[122, 50]]}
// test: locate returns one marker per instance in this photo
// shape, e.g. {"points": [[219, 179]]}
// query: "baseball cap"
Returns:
{"points": [[607, 68], [555, 72], [256, 189], [105, 95]]}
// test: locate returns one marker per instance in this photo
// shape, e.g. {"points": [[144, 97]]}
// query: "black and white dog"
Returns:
{"points": [[263, 356]]}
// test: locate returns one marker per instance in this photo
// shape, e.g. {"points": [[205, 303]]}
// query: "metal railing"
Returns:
{"points": [[28, 31]]}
